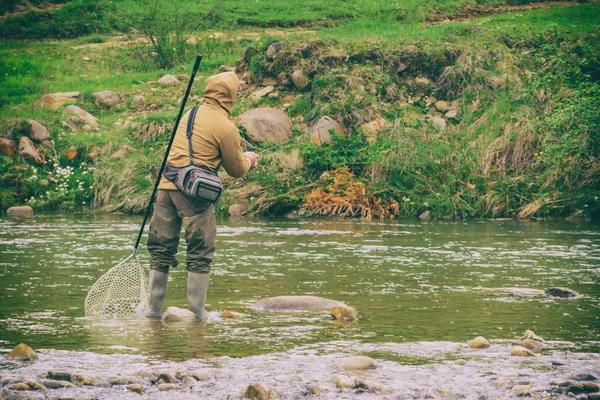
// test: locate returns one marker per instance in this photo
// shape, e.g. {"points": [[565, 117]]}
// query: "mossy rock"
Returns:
{"points": [[22, 352]]}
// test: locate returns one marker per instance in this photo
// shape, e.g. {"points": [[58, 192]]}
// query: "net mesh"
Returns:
{"points": [[121, 292]]}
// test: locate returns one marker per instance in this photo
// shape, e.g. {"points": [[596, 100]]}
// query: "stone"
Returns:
{"points": [[274, 95], [460, 362], [28, 150], [439, 123], [85, 116], [200, 376], [168, 377], [358, 363], [521, 352], [22, 351], [289, 98], [7, 147], [479, 343], [561, 292], [451, 114], [226, 68], [584, 377], [19, 210], [55, 101], [168, 80], [107, 98], [238, 209], [51, 384], [135, 387], [72, 153], [258, 391], [262, 92], [274, 48], [315, 389], [20, 386], [521, 390], [590, 387], [267, 125], [163, 387], [173, 314], [65, 384], [344, 313], [82, 380], [59, 376], [532, 345], [119, 381], [283, 79], [188, 381], [442, 106], [232, 314], [295, 303], [426, 216], [422, 81], [137, 101], [299, 80], [270, 81], [38, 133], [430, 100], [321, 131], [34, 385], [146, 374], [374, 128], [343, 381]]}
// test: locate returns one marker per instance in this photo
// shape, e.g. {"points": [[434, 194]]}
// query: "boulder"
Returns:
{"points": [[263, 92], [188, 381], [232, 314], [439, 123], [39, 133], [479, 343], [20, 386], [344, 313], [299, 80], [59, 376], [267, 125], [357, 363], [532, 345], [200, 376], [314, 389], [178, 314], [168, 80], [295, 303], [34, 385], [521, 352], [530, 335], [258, 391], [51, 384], [82, 380], [20, 210], [55, 101], [274, 49], [22, 351], [135, 387], [72, 153], [561, 292], [107, 98], [137, 101], [422, 81], [28, 150], [442, 106], [321, 131], [163, 387], [343, 381], [7, 147], [81, 113], [373, 128]]}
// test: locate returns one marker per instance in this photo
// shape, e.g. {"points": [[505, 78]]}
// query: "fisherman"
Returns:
{"points": [[216, 141]]}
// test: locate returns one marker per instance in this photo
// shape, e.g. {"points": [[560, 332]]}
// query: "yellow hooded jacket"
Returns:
{"points": [[215, 138]]}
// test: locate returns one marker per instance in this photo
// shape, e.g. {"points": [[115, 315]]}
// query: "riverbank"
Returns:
{"points": [[434, 370]]}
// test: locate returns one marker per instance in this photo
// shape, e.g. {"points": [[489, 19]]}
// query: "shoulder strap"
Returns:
{"points": [[188, 131]]}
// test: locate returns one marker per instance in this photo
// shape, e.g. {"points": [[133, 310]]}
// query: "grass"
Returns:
{"points": [[504, 73]]}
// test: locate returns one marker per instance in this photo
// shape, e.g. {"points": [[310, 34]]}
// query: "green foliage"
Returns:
{"points": [[343, 151]]}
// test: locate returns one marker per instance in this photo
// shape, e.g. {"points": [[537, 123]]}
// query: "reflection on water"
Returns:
{"points": [[410, 281]]}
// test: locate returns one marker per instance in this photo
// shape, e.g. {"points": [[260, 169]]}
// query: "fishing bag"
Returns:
{"points": [[195, 181]]}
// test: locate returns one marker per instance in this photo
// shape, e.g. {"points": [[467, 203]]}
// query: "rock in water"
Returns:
{"points": [[20, 210], [39, 133], [532, 345], [344, 313], [22, 352], [343, 381], [357, 363], [135, 387], [267, 125], [320, 132], [59, 376], [20, 386], [257, 391], [107, 98], [163, 387], [168, 80], [232, 314], [479, 343], [178, 314], [295, 303], [521, 352], [561, 292]]}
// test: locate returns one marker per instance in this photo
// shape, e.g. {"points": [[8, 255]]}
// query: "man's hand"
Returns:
{"points": [[253, 159]]}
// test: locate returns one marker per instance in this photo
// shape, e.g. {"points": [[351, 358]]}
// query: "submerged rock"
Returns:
{"points": [[295, 303], [163, 387], [200, 376], [22, 351], [343, 381], [59, 376], [258, 391], [178, 314], [344, 313], [532, 345], [315, 389], [561, 292], [232, 314], [135, 387], [479, 343], [51, 384], [34, 385], [359, 363], [20, 386], [168, 377]]}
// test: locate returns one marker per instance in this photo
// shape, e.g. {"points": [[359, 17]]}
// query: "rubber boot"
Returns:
{"points": [[158, 288], [197, 287]]}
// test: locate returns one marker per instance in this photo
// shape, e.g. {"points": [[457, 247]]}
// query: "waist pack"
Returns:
{"points": [[192, 180]]}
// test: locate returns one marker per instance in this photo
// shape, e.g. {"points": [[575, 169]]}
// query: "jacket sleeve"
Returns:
{"points": [[234, 162]]}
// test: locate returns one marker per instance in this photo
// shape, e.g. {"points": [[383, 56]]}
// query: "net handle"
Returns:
{"points": [[164, 162]]}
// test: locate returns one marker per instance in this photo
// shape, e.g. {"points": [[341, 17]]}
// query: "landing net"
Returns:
{"points": [[121, 292]]}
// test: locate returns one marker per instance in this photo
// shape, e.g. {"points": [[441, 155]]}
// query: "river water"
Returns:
{"points": [[412, 282]]}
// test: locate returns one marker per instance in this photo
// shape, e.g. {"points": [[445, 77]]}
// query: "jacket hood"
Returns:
{"points": [[222, 88]]}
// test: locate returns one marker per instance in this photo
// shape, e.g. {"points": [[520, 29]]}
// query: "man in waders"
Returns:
{"points": [[215, 140]]}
